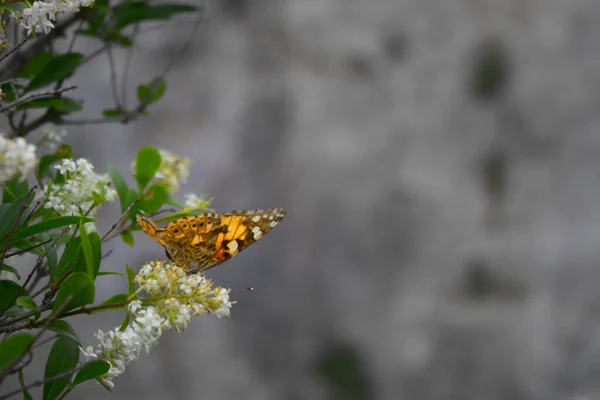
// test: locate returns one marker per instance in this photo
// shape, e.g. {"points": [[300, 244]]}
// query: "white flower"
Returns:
{"points": [[77, 194], [53, 135], [176, 298], [17, 158], [88, 353], [222, 296], [195, 202], [39, 16], [173, 171]]}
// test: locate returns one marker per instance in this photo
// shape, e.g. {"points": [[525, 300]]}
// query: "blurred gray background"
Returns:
{"points": [[440, 164]]}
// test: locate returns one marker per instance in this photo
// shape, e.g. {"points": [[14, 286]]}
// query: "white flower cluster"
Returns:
{"points": [[40, 15], [186, 295], [175, 297], [53, 135], [197, 203], [81, 189], [17, 158], [173, 171]]}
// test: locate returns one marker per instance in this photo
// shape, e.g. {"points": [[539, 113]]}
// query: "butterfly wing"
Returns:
{"points": [[204, 241]]}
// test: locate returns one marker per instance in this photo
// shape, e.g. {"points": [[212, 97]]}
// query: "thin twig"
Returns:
{"points": [[95, 121], [16, 253], [42, 381], [40, 291], [36, 95], [47, 322], [12, 230], [43, 342], [17, 47], [33, 270], [121, 218], [113, 77]]}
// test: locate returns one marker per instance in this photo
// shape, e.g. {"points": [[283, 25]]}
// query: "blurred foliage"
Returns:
{"points": [[341, 368]]}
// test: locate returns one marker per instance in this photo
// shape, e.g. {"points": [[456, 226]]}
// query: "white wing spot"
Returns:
{"points": [[265, 216], [272, 224], [257, 232], [233, 245], [256, 218]]}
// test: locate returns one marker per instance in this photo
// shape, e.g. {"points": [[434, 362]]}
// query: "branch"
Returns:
{"points": [[12, 231], [37, 336], [42, 381], [120, 220], [33, 270], [17, 47], [36, 95], [16, 253]]}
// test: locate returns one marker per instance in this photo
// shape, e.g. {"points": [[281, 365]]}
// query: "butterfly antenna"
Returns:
{"points": [[234, 284]]}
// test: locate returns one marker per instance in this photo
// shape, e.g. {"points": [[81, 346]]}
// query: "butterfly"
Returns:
{"points": [[204, 241]]}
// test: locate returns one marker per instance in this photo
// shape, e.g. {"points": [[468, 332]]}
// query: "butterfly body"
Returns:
{"points": [[204, 241]]}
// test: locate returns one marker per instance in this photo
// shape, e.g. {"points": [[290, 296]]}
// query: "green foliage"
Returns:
{"points": [[63, 151], [57, 68], [64, 328], [77, 290], [61, 104], [28, 303], [130, 276], [8, 291], [91, 371], [60, 281], [147, 164], [12, 349], [63, 357], [152, 92]]}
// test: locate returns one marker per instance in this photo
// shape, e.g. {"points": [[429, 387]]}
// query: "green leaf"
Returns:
{"points": [[64, 151], [103, 273], [63, 357], [69, 259], [58, 68], [120, 185], [93, 370], [62, 104], [51, 256], [28, 303], [78, 285], [130, 276], [10, 269], [13, 189], [88, 253], [132, 12], [8, 291], [9, 92], [128, 238], [96, 251], [36, 65], [8, 216], [154, 199], [26, 395], [147, 163], [12, 348], [132, 196], [151, 93], [112, 113], [64, 328], [125, 322], [45, 226]]}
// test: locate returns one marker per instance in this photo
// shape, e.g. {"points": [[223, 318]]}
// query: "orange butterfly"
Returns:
{"points": [[204, 241]]}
